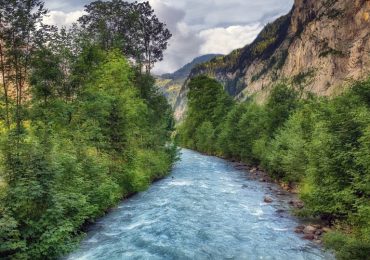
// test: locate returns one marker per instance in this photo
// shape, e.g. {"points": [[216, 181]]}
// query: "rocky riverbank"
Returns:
{"points": [[311, 229]]}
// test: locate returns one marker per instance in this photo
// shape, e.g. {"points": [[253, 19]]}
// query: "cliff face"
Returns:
{"points": [[320, 46]]}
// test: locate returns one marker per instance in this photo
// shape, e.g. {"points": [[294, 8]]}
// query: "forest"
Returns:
{"points": [[82, 125], [320, 144]]}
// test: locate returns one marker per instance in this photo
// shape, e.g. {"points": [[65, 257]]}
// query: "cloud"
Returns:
{"points": [[66, 5], [61, 18], [184, 44], [212, 26], [206, 14], [225, 40], [198, 27]]}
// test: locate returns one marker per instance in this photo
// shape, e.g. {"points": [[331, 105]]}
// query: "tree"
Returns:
{"points": [[21, 32], [282, 101], [46, 75], [131, 27], [204, 137], [81, 130], [154, 34], [207, 102]]}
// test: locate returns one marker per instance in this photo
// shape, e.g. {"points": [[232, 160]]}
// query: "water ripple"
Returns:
{"points": [[205, 210]]}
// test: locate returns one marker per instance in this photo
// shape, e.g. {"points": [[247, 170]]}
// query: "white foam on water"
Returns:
{"points": [[111, 234], [203, 186], [280, 229], [180, 183], [200, 212], [92, 240], [257, 212], [138, 224]]}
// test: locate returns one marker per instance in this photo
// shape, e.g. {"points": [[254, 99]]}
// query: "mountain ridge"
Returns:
{"points": [[319, 46], [185, 70]]}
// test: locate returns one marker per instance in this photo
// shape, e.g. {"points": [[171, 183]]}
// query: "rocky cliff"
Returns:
{"points": [[320, 46]]}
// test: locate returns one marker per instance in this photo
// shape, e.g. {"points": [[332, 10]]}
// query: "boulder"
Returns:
{"points": [[309, 237], [299, 229], [297, 204], [309, 230], [268, 199], [326, 229]]}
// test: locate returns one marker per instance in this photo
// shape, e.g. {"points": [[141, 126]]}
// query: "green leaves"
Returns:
{"points": [[319, 143], [205, 137], [133, 28], [64, 170], [207, 103], [80, 128]]}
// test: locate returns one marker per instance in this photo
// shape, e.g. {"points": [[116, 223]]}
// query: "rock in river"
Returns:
{"points": [[268, 199]]}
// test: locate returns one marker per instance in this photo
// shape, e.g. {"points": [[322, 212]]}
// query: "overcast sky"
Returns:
{"points": [[198, 26]]}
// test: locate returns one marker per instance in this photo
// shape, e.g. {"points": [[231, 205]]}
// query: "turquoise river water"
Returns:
{"points": [[206, 209]]}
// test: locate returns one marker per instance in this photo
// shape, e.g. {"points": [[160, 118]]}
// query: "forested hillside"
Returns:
{"points": [[320, 46], [302, 113], [320, 144], [81, 123], [170, 84]]}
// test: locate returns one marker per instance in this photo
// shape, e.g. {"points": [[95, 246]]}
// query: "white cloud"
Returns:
{"points": [[225, 40], [198, 27], [61, 18], [212, 26]]}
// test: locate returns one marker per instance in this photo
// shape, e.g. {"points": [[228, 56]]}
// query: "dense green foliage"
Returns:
{"points": [[131, 27], [65, 170], [80, 128], [319, 143], [207, 105]]}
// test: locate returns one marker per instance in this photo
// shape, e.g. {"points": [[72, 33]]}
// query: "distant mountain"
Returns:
{"points": [[184, 72], [320, 45], [171, 83]]}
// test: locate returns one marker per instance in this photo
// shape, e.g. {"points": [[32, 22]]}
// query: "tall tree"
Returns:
{"points": [[21, 31], [131, 27]]}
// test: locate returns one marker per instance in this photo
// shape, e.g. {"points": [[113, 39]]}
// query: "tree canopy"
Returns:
{"points": [[319, 144], [80, 126], [131, 27]]}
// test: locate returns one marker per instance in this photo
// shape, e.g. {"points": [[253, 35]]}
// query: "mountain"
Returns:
{"points": [[184, 72], [319, 46], [171, 83]]}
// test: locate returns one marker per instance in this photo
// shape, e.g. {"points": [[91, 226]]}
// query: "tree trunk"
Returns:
{"points": [[5, 87]]}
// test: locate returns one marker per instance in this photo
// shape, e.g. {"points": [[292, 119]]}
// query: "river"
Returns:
{"points": [[206, 209]]}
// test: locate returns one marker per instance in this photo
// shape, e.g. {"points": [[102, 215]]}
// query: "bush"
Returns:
{"points": [[204, 137], [62, 170], [347, 246], [322, 144]]}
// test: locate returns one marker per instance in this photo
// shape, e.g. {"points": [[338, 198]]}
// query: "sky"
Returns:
{"points": [[198, 26]]}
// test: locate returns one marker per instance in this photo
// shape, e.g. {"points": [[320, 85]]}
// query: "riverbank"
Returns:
{"points": [[205, 209], [312, 229], [309, 229], [320, 143]]}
